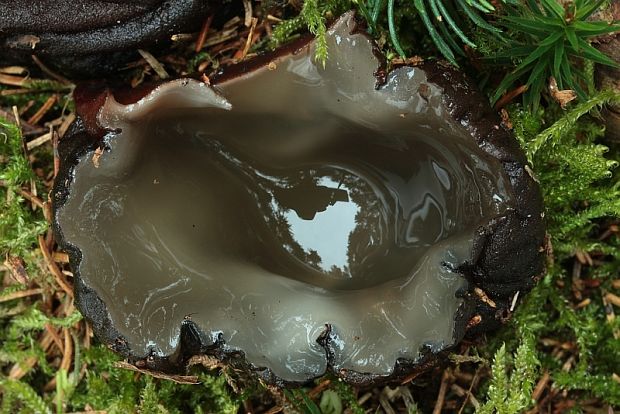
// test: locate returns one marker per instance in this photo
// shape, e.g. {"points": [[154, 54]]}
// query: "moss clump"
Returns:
{"points": [[19, 225]]}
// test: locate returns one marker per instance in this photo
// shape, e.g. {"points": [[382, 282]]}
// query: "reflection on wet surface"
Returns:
{"points": [[213, 217], [350, 212]]}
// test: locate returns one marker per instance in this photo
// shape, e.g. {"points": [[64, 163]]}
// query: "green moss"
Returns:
{"points": [[19, 225], [581, 189], [23, 397]]}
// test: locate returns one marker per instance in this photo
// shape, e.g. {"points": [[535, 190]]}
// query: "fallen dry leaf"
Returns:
{"points": [[563, 97], [17, 269]]}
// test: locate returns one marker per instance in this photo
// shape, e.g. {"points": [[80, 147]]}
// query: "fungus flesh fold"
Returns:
{"points": [[281, 201]]}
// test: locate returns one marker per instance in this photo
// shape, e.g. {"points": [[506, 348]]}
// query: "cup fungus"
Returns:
{"points": [[92, 36], [310, 219]]}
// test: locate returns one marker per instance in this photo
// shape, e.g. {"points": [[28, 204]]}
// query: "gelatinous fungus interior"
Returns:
{"points": [[281, 201]]}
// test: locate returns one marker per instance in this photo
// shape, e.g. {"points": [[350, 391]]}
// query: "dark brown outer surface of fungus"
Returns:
{"points": [[92, 36], [445, 228]]}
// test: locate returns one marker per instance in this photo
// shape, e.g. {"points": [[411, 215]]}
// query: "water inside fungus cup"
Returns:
{"points": [[277, 203]]}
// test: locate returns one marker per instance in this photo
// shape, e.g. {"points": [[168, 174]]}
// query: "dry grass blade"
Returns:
{"points": [[14, 70], [11, 80], [154, 63]]}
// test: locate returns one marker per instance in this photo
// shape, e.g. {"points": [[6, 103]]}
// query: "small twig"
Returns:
{"points": [[21, 294], [47, 211], [385, 404], [513, 303], [60, 257], [249, 39], [613, 299], [484, 297], [540, 386], [14, 70], [441, 396], [88, 333], [55, 139], [509, 96], [247, 8], [18, 120], [17, 268], [18, 370], [47, 105], [33, 191], [179, 379], [154, 63], [219, 38], [50, 72], [53, 268], [55, 337], [8, 92], [38, 141], [67, 355], [12, 80], [612, 229], [248, 406], [362, 400], [319, 388], [407, 398], [182, 37], [24, 193], [26, 127], [202, 37], [470, 396], [273, 18]]}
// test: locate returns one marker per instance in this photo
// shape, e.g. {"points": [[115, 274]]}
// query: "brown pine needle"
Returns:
{"points": [[202, 37], [47, 105], [67, 354], [53, 268], [20, 294]]}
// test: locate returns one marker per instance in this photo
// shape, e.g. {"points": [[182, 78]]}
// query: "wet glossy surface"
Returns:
{"points": [[270, 220]]}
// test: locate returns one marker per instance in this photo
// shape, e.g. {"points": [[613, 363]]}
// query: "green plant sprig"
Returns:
{"points": [[440, 18], [550, 40]]}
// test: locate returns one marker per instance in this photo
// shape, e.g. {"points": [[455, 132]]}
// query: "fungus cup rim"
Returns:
{"points": [[512, 243]]}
